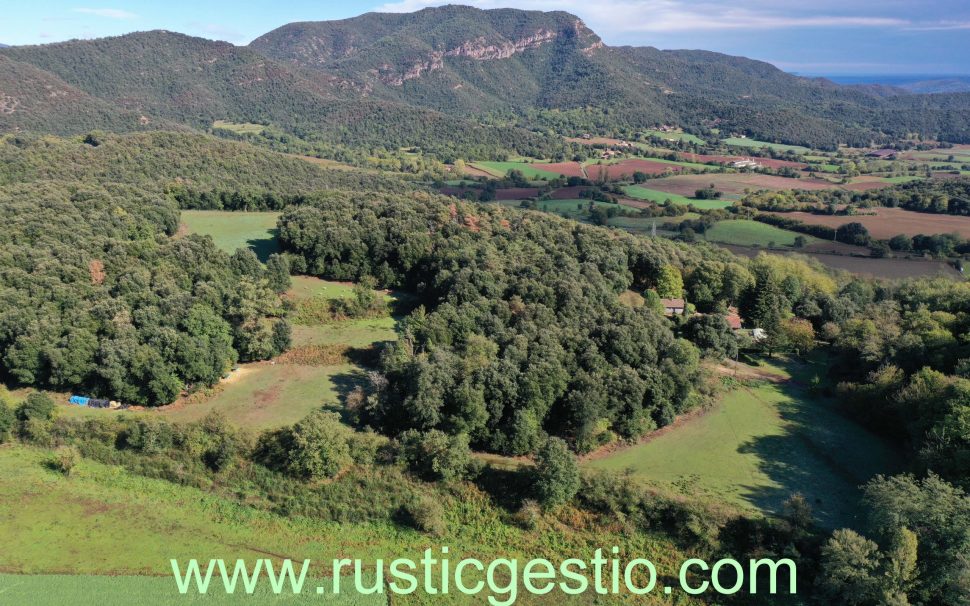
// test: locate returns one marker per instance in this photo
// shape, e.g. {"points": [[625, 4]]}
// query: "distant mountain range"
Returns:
{"points": [[4, 45], [451, 74], [919, 84]]}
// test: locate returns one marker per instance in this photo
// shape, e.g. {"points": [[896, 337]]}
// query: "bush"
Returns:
{"points": [[426, 514], [65, 459], [38, 405], [528, 515], [434, 455]]}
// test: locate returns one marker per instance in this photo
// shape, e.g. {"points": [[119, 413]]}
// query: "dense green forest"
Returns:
{"points": [[98, 296]]}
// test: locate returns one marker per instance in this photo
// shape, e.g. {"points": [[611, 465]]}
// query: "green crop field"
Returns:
{"points": [[744, 232], [231, 230], [643, 193], [500, 169], [743, 142], [757, 447]]}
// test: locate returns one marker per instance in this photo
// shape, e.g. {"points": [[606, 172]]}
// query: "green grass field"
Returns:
{"points": [[675, 136], [241, 128], [112, 535], [757, 447], [643, 193], [744, 142], [500, 169], [265, 395], [231, 230], [744, 232]]}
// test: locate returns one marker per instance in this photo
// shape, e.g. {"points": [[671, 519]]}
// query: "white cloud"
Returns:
{"points": [[109, 13], [629, 16]]}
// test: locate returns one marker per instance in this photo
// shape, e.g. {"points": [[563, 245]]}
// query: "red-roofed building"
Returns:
{"points": [[733, 318]]}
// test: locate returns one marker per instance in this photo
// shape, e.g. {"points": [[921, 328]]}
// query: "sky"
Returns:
{"points": [[812, 37]]}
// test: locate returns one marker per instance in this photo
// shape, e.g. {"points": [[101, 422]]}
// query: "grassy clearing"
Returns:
{"points": [[744, 142], [353, 333], [266, 395], [500, 169], [231, 230], [760, 445], [744, 232], [642, 193], [675, 136], [240, 128], [901, 179]]}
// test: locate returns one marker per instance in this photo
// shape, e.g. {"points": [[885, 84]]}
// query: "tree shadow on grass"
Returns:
{"points": [[343, 384], [264, 247], [821, 454]]}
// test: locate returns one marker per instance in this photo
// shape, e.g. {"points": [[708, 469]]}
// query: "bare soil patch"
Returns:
{"points": [[569, 169]]}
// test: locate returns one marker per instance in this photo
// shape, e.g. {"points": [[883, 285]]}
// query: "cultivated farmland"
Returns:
{"points": [[884, 223]]}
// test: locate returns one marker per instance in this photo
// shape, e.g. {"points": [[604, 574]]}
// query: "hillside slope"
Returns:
{"points": [[464, 60], [455, 80]]}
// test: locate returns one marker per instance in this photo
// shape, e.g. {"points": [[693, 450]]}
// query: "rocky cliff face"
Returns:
{"points": [[479, 49]]}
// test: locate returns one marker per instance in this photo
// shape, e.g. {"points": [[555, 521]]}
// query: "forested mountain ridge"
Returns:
{"points": [[453, 80], [464, 60]]}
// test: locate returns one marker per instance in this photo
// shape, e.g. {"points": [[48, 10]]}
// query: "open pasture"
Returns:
{"points": [[675, 136], [500, 169], [659, 197], [745, 142], [744, 232], [885, 223], [760, 445], [235, 229]]}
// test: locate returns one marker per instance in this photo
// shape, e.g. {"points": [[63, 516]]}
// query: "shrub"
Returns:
{"points": [[426, 514], [528, 515], [38, 405], [65, 459], [434, 455]]}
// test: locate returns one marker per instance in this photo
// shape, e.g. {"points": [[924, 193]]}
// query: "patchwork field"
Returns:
{"points": [[232, 230], [885, 223], [744, 232], [758, 446]]}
